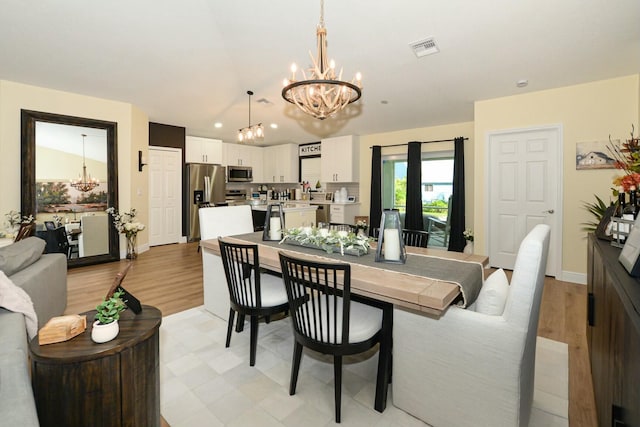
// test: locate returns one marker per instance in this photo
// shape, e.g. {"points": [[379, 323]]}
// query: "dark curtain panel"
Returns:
{"points": [[456, 239], [375, 210], [413, 218]]}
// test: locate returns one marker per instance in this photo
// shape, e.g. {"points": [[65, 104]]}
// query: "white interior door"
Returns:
{"points": [[165, 195], [525, 186]]}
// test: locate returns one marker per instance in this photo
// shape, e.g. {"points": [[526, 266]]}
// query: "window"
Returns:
{"points": [[437, 187]]}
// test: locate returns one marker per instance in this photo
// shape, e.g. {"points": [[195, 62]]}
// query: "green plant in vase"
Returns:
{"points": [[108, 311], [105, 327]]}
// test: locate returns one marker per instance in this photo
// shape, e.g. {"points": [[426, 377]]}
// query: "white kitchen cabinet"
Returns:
{"points": [[202, 150], [340, 161], [257, 164], [236, 155], [243, 155], [343, 213], [281, 163]]}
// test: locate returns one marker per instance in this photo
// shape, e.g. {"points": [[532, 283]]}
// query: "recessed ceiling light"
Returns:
{"points": [[218, 125], [384, 101], [522, 83], [274, 126]]}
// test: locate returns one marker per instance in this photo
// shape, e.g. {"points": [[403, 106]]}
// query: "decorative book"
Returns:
{"points": [[62, 328]]}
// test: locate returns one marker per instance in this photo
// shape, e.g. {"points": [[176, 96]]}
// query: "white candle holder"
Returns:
{"points": [[273, 223], [390, 242]]}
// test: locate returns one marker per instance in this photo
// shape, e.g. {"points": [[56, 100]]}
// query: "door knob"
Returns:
{"points": [[550, 211]]}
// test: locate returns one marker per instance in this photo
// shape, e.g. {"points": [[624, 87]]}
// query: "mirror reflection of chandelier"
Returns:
{"points": [[84, 182], [323, 93]]}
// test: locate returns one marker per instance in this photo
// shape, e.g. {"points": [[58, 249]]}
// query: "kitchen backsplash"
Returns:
{"points": [[353, 188]]}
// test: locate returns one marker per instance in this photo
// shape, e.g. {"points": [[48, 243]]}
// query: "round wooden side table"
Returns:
{"points": [[117, 383]]}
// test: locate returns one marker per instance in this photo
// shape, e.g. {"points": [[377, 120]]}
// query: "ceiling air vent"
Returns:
{"points": [[424, 47]]}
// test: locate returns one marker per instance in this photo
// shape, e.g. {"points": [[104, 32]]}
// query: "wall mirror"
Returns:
{"points": [[69, 178]]}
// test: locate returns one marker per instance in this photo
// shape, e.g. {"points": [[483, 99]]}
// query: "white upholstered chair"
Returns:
{"points": [[472, 369], [94, 239], [217, 222]]}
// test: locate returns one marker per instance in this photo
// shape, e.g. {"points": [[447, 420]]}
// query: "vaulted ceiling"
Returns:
{"points": [[189, 63]]}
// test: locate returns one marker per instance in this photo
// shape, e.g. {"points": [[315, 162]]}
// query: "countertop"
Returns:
{"points": [[327, 202], [308, 202], [287, 207]]}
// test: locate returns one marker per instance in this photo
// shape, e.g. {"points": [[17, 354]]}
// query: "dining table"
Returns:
{"points": [[413, 285], [428, 282]]}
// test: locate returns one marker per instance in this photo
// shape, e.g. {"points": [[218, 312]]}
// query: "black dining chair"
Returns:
{"points": [[326, 319], [62, 241], [416, 238], [251, 293]]}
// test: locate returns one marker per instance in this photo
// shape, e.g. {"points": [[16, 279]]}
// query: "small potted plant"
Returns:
{"points": [[105, 328]]}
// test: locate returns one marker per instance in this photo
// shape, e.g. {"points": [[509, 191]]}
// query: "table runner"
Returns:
{"points": [[467, 275]]}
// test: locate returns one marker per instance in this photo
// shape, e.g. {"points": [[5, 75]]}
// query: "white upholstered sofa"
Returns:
{"points": [[472, 369]]}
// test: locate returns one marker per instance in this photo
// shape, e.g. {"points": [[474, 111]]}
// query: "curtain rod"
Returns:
{"points": [[421, 142]]}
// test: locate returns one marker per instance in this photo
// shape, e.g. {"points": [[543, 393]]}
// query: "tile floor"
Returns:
{"points": [[205, 384]]}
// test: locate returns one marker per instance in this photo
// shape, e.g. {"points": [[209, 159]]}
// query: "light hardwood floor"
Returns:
{"points": [[170, 278]]}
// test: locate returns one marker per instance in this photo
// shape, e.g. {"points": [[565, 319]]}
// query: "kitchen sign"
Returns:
{"points": [[307, 150]]}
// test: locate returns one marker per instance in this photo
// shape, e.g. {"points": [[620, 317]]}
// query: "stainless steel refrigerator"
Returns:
{"points": [[206, 187]]}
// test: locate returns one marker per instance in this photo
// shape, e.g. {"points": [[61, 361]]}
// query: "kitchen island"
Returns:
{"points": [[295, 214]]}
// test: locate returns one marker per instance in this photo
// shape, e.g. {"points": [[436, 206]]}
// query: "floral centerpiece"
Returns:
{"points": [[13, 219], [329, 241], [627, 159], [361, 227], [126, 224], [468, 236]]}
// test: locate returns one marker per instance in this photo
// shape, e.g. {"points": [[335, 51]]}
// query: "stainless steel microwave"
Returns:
{"points": [[239, 174]]}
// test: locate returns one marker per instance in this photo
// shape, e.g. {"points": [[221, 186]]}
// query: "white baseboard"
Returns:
{"points": [[573, 277], [139, 249]]}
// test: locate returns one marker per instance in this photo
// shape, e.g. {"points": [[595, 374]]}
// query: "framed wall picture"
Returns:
{"points": [[631, 251]]}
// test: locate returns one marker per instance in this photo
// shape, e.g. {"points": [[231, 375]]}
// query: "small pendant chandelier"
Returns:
{"points": [[323, 93], [84, 183], [251, 133]]}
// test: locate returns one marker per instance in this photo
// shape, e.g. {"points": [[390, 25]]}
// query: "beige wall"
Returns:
{"points": [[133, 125], [587, 112], [62, 166], [419, 134]]}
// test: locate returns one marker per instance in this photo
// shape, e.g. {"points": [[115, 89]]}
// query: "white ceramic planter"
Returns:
{"points": [[468, 249], [103, 333]]}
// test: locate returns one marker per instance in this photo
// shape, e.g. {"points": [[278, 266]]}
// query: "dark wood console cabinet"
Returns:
{"points": [[613, 335]]}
